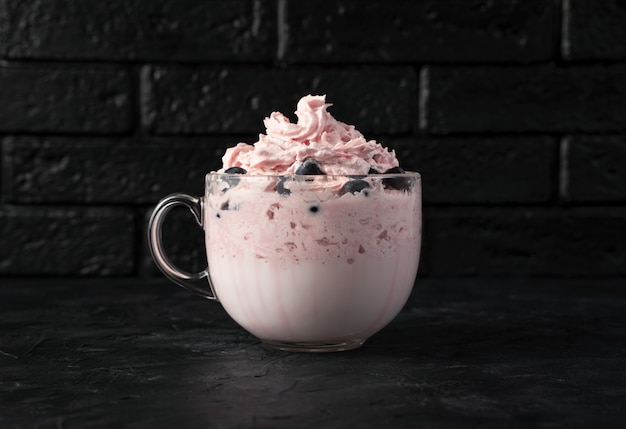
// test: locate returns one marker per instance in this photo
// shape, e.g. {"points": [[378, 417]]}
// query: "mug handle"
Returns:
{"points": [[194, 282]]}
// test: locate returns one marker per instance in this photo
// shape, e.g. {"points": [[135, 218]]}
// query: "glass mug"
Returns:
{"points": [[304, 263]]}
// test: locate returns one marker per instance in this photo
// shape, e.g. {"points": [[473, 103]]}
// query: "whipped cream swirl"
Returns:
{"points": [[338, 148]]}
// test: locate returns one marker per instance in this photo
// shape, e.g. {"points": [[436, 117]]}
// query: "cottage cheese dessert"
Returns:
{"points": [[308, 241]]}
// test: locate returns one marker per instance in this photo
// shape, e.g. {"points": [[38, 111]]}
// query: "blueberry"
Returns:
{"points": [[280, 187], [235, 170], [309, 167], [354, 186], [373, 171], [399, 183], [233, 181]]}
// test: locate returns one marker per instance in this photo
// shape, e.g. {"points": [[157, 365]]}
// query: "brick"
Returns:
{"points": [[65, 241], [594, 30], [491, 170], [525, 99], [204, 100], [64, 98], [105, 170], [596, 170], [524, 242], [140, 30], [419, 31]]}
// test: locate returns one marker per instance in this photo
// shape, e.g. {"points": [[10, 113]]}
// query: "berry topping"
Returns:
{"points": [[354, 186], [280, 187], [395, 170], [399, 183], [233, 181], [309, 167], [235, 170], [373, 171]]}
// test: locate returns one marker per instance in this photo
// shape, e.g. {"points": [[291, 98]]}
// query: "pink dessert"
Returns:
{"points": [[308, 243]]}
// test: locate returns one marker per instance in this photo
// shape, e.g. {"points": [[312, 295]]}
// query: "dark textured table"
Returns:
{"points": [[463, 353]]}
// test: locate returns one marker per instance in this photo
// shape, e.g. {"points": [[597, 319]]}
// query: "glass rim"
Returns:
{"points": [[309, 177]]}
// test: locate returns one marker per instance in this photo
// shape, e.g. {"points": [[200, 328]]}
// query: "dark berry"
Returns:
{"points": [[354, 186], [309, 167], [399, 183], [373, 171], [280, 187], [395, 170], [234, 181], [235, 170]]}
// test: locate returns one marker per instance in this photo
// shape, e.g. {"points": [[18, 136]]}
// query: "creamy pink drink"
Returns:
{"points": [[308, 243]]}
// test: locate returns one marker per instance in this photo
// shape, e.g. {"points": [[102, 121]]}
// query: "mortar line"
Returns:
{"points": [[424, 93], [564, 175], [282, 28], [256, 17], [566, 46]]}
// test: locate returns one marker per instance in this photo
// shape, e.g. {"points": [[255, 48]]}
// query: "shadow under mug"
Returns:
{"points": [[304, 263]]}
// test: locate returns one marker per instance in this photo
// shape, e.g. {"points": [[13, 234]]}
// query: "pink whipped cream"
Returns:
{"points": [[338, 148]]}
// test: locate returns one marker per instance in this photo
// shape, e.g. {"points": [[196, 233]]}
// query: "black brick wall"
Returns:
{"points": [[514, 112]]}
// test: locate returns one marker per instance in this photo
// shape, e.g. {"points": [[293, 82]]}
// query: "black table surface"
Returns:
{"points": [[463, 353]]}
